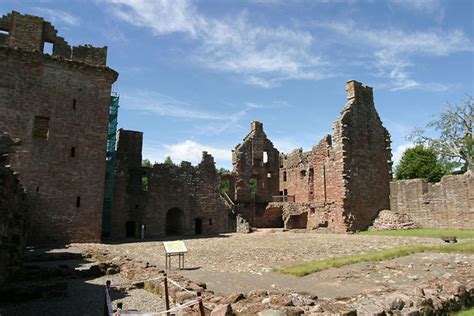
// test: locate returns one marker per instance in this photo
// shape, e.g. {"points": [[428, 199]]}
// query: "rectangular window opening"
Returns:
{"points": [[210, 221], [41, 127], [284, 176], [269, 175], [145, 183], [78, 201], [73, 151], [74, 102], [37, 189], [265, 157], [48, 48]]}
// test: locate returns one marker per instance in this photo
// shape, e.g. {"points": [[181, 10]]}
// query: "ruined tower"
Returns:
{"points": [[57, 103], [343, 182], [255, 166]]}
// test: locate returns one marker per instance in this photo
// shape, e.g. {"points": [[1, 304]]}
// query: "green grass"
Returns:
{"points": [[467, 312], [311, 267], [422, 232]]}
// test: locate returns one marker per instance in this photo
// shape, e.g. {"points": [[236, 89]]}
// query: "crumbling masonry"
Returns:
{"points": [[167, 199], [57, 104], [13, 213], [338, 186]]}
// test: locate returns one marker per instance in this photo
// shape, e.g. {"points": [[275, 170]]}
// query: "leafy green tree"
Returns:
{"points": [[253, 188], [420, 162], [455, 143], [224, 185], [146, 163], [168, 161]]}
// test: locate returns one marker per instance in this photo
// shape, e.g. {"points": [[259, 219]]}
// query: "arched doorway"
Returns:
{"points": [[174, 222], [197, 226]]}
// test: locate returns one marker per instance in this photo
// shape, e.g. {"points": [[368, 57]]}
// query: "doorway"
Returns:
{"points": [[197, 226], [174, 222], [130, 229]]}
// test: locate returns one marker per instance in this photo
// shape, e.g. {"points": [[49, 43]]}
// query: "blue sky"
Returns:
{"points": [[194, 74]]}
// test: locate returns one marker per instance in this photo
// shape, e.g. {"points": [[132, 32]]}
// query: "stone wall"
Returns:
{"points": [[255, 159], [343, 182], [58, 106], [446, 204], [30, 32], [13, 214], [177, 200]]}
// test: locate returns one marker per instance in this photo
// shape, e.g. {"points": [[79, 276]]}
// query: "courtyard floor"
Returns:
{"points": [[244, 262]]}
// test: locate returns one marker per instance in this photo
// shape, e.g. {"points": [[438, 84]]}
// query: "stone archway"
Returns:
{"points": [[174, 222]]}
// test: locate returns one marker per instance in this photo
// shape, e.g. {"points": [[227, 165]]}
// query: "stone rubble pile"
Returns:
{"points": [[390, 220]]}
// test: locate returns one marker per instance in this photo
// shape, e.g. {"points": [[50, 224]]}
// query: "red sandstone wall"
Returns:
{"points": [[75, 97], [366, 158], [347, 175], [446, 204], [193, 190]]}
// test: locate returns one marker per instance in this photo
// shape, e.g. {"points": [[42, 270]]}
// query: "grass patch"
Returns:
{"points": [[316, 266], [466, 312], [422, 232]]}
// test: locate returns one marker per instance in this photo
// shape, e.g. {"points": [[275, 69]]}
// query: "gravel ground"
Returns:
{"points": [[262, 251], [243, 262]]}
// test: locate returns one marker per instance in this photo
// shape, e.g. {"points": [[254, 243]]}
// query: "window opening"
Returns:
{"points": [[41, 127], [78, 201], [284, 176], [265, 157], [48, 48], [73, 151], [210, 221], [74, 102]]}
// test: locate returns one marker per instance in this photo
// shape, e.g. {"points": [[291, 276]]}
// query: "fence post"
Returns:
{"points": [[201, 306], [106, 306], [167, 299]]}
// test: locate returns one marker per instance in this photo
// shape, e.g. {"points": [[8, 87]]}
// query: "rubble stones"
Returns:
{"points": [[391, 220]]}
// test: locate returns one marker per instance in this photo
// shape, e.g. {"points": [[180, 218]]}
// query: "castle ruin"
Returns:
{"points": [[57, 104]]}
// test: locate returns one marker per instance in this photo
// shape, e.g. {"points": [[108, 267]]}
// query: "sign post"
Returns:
{"points": [[175, 248]]}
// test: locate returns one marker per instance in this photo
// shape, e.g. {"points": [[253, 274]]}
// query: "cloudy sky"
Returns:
{"points": [[194, 74]]}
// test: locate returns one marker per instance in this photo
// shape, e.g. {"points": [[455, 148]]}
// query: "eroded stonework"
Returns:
{"points": [[13, 213], [446, 204], [168, 199], [57, 104], [338, 186]]}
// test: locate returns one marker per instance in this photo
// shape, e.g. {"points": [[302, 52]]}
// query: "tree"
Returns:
{"points": [[455, 142], [168, 161], [420, 162], [146, 163]]}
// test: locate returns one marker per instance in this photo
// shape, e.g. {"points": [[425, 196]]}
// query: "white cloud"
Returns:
{"points": [[395, 49], [161, 16], [187, 150], [163, 105], [58, 16], [431, 7], [262, 56], [398, 153]]}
